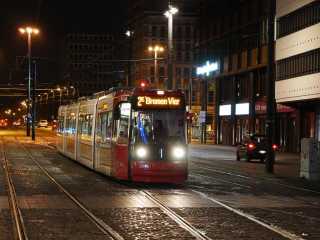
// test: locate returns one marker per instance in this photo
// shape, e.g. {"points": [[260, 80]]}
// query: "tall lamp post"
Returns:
{"points": [[29, 31], [130, 37], [169, 14], [60, 96], [271, 108], [155, 50]]}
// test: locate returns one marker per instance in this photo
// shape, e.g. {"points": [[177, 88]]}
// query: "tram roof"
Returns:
{"points": [[132, 91]]}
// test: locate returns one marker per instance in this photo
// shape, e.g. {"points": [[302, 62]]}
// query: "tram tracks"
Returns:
{"points": [[20, 230], [18, 218], [256, 180], [104, 227], [199, 234], [183, 223]]}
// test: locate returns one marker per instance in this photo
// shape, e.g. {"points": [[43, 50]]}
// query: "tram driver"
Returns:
{"points": [[159, 131]]}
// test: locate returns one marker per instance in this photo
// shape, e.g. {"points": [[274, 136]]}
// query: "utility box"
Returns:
{"points": [[310, 159]]}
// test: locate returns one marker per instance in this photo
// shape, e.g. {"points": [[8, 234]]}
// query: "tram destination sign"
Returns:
{"points": [[158, 102]]}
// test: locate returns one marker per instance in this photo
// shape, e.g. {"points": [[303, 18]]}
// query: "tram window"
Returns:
{"points": [[60, 124], [122, 125], [158, 126], [104, 126], [85, 125], [109, 126], [71, 125]]}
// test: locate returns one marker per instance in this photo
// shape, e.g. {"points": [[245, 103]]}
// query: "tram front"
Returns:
{"points": [[158, 149]]}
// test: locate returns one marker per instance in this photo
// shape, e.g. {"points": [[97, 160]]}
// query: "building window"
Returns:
{"points": [[210, 97], [226, 89], [187, 56], [243, 86], [154, 31], [179, 32], [188, 31], [194, 97], [260, 83], [178, 77], [299, 65], [162, 32], [179, 56], [186, 73], [299, 19], [161, 71]]}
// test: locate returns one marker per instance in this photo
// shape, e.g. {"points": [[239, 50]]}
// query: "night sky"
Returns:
{"points": [[54, 18]]}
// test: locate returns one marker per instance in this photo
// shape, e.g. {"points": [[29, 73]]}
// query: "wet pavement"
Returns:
{"points": [[223, 199]]}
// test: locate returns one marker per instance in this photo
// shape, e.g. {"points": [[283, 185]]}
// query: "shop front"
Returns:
{"points": [[194, 125], [287, 125]]}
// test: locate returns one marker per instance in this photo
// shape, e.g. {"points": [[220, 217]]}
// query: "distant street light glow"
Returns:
{"points": [[155, 49], [129, 33]]}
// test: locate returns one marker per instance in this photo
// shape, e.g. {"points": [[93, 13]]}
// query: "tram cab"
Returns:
{"points": [[158, 149]]}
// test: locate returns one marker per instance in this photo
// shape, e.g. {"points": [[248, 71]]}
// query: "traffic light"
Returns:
{"points": [[143, 84]]}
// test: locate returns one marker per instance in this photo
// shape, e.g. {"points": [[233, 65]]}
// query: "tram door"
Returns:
{"points": [[103, 158], [120, 136]]}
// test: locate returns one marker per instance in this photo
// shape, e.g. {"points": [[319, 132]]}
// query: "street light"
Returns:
{"points": [[29, 31], [169, 14], [156, 49]]}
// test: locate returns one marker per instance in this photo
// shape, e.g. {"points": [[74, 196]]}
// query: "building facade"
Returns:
{"points": [[150, 28], [88, 63], [298, 65], [233, 34]]}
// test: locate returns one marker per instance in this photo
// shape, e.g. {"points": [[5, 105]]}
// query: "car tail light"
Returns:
{"points": [[251, 146], [274, 147]]}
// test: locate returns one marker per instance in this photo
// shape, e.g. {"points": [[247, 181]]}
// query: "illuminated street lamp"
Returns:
{"points": [[29, 31], [156, 49], [169, 14]]}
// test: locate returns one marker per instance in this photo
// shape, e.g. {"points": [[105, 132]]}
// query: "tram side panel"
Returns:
{"points": [[72, 111], [103, 135], [85, 136], [61, 128]]}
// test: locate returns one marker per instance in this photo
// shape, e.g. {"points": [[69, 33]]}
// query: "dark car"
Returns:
{"points": [[254, 147]]}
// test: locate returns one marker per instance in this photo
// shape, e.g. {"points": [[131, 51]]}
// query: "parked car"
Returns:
{"points": [[254, 147], [43, 123], [17, 123]]}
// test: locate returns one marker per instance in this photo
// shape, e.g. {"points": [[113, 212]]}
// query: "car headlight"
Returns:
{"points": [[141, 152], [178, 152]]}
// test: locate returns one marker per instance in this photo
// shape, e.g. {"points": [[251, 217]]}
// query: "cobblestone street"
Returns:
{"points": [[222, 199]]}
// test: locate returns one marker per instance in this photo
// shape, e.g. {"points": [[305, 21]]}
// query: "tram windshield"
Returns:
{"points": [[161, 126]]}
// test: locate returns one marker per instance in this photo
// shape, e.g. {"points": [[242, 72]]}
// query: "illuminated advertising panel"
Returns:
{"points": [[242, 109], [225, 110]]}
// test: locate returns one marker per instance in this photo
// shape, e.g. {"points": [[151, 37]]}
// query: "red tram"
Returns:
{"points": [[130, 134]]}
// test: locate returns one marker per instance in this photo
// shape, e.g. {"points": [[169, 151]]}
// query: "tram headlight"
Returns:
{"points": [[141, 152], [178, 152]]}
